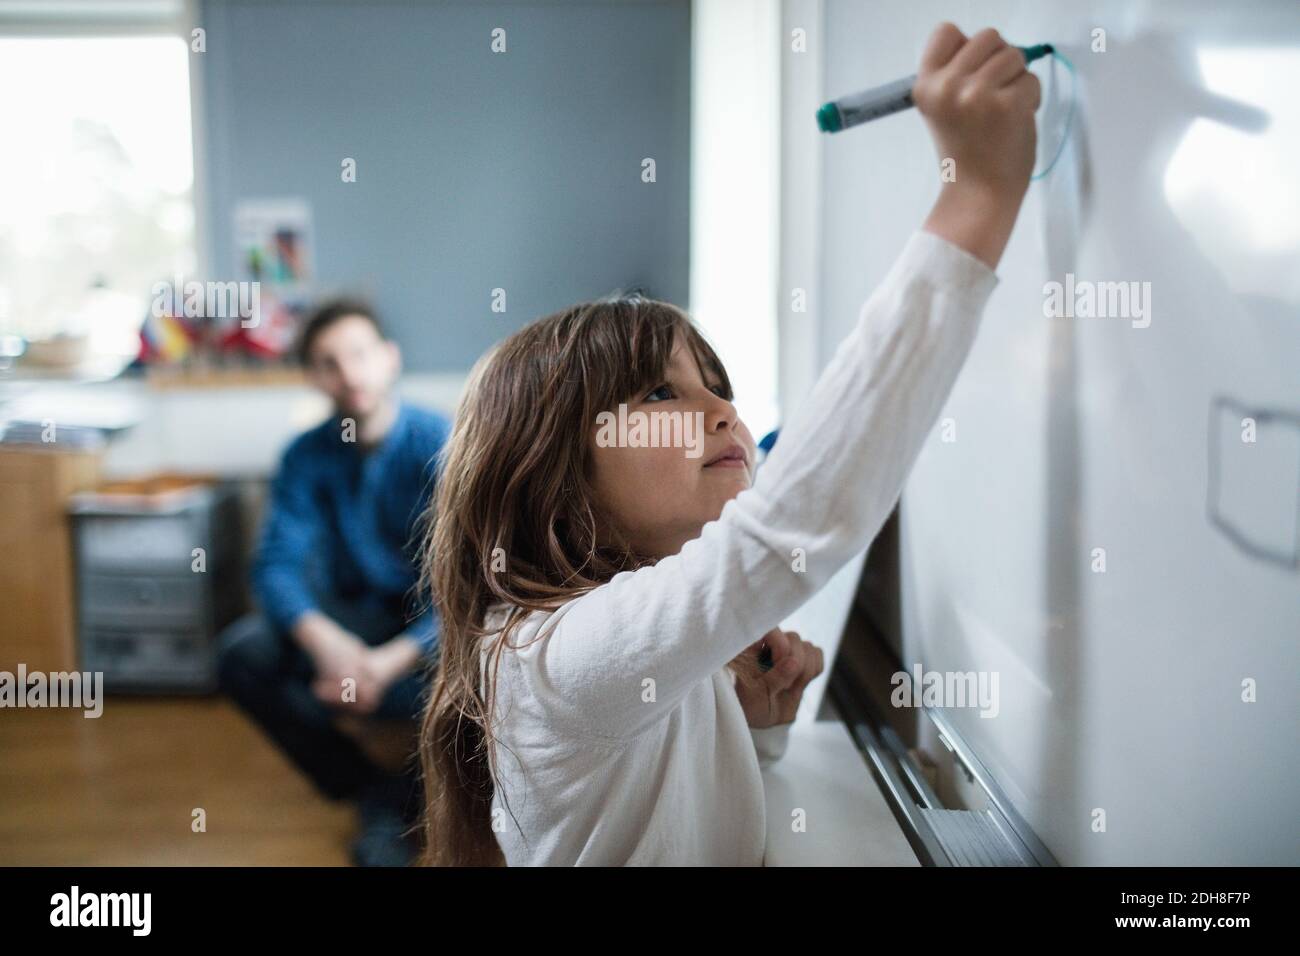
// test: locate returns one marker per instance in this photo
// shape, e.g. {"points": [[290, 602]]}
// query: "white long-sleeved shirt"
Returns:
{"points": [[620, 736]]}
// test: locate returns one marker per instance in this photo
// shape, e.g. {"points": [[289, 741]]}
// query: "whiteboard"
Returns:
{"points": [[1111, 438]]}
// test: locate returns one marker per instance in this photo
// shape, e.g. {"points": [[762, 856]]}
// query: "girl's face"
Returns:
{"points": [[661, 497]]}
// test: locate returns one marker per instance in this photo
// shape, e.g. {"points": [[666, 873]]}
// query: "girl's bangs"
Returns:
{"points": [[637, 345]]}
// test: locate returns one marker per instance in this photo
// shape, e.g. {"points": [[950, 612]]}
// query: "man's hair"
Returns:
{"points": [[325, 315]]}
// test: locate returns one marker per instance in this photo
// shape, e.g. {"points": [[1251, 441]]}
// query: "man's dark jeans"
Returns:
{"points": [[269, 676]]}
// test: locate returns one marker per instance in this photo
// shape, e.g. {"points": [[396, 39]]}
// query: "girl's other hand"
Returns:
{"points": [[773, 697]]}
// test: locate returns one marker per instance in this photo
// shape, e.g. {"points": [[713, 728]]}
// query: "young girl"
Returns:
{"points": [[598, 699]]}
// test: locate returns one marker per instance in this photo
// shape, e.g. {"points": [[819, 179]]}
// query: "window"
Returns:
{"points": [[96, 181]]}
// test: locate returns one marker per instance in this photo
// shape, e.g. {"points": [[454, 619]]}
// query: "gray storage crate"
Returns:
{"points": [[145, 617]]}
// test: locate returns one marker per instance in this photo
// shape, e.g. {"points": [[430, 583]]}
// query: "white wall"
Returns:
{"points": [[735, 96]]}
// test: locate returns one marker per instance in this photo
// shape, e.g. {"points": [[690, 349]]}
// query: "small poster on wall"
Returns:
{"points": [[274, 244], [273, 241]]}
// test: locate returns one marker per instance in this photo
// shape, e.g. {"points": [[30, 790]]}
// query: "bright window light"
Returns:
{"points": [[95, 180]]}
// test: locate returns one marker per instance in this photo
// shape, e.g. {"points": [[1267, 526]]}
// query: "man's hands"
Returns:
{"points": [[340, 655], [979, 101], [773, 698]]}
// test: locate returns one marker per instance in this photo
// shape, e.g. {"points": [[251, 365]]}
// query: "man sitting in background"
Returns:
{"points": [[334, 576]]}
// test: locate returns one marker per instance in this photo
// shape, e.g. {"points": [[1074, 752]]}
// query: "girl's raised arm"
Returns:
{"points": [[620, 657]]}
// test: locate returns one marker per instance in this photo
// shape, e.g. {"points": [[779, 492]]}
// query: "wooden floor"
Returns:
{"points": [[121, 790]]}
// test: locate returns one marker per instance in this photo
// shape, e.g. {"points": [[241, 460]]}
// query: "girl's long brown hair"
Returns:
{"points": [[515, 523]]}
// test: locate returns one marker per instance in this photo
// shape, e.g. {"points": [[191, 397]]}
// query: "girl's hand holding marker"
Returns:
{"points": [[978, 100]]}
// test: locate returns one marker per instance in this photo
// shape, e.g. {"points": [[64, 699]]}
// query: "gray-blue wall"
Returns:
{"points": [[475, 170]]}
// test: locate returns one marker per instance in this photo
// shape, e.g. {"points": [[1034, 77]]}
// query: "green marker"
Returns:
{"points": [[891, 98]]}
